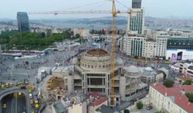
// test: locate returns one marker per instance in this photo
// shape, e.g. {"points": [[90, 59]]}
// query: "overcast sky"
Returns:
{"points": [[155, 8]]}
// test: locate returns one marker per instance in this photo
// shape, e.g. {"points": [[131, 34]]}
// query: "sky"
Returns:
{"points": [[154, 8]]}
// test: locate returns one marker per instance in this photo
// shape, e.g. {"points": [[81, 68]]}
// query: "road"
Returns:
{"points": [[15, 103]]}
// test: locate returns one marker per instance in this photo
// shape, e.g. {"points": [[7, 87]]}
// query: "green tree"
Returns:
{"points": [[168, 83], [188, 82], [139, 105], [190, 97], [126, 111], [30, 41]]}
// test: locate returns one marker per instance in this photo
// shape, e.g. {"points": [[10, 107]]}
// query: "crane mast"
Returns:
{"points": [[113, 55]]}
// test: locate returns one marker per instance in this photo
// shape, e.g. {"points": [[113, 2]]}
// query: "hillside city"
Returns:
{"points": [[113, 64]]}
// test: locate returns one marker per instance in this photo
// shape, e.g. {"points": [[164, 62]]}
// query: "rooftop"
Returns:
{"points": [[176, 92], [190, 67], [97, 99], [59, 107], [132, 69], [97, 52]]}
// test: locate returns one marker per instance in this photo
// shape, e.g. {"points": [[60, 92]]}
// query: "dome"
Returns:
{"points": [[95, 59], [97, 53], [148, 69], [132, 69], [120, 61]]}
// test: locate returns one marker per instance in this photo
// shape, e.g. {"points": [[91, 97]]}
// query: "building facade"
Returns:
{"points": [[136, 21], [136, 3], [179, 49], [133, 45], [161, 46], [171, 100], [92, 73], [186, 69], [149, 48], [23, 22]]}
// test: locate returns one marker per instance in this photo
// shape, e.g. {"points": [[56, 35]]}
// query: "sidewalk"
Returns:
{"points": [[48, 109]]}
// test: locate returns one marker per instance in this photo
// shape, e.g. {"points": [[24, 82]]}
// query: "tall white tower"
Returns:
{"points": [[136, 18]]}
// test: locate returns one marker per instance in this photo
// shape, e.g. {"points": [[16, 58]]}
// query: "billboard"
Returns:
{"points": [[179, 54]]}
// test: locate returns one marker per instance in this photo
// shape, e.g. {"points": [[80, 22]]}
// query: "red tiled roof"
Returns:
{"points": [[97, 99], [176, 91]]}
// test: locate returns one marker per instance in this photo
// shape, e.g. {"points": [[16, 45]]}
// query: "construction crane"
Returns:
{"points": [[78, 12], [114, 13], [113, 54]]}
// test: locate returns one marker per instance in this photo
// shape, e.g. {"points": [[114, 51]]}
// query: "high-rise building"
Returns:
{"points": [[133, 45], [136, 20], [136, 4], [23, 22], [161, 46], [149, 48]]}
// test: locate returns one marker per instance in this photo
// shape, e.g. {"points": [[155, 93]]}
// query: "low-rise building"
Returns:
{"points": [[75, 103], [171, 100], [186, 69]]}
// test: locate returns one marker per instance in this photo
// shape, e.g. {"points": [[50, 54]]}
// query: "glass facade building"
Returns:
{"points": [[23, 22], [136, 4], [137, 47], [180, 43], [136, 21]]}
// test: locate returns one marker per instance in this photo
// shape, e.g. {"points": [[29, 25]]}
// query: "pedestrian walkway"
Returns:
{"points": [[48, 109]]}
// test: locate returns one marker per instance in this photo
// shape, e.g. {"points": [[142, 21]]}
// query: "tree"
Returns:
{"points": [[126, 111], [168, 83], [190, 97], [139, 105], [28, 40], [188, 82]]}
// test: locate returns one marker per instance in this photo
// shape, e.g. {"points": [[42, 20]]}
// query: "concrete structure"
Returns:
{"points": [[23, 22], [171, 100], [131, 82], [133, 45], [149, 75], [186, 69], [75, 103], [161, 46], [149, 48], [92, 74], [50, 90], [42, 73]]}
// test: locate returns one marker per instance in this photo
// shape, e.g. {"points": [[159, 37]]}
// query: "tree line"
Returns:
{"points": [[32, 40]]}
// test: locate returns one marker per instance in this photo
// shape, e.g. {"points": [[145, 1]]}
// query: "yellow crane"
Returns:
{"points": [[114, 13], [113, 54]]}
